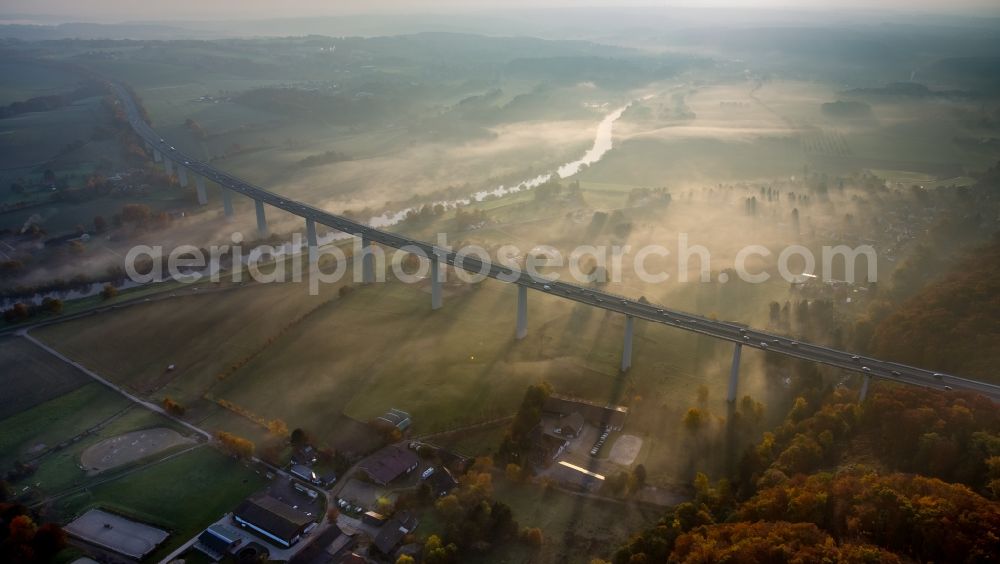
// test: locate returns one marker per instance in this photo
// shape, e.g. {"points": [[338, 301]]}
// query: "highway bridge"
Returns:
{"points": [[741, 336]]}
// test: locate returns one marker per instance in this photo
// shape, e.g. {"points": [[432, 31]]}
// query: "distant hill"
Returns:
{"points": [[33, 32], [977, 73], [909, 89]]}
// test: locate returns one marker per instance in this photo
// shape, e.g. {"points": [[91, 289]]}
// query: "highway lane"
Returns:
{"points": [[728, 331]]}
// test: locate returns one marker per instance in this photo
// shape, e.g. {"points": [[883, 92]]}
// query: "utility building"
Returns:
{"points": [[272, 520]]}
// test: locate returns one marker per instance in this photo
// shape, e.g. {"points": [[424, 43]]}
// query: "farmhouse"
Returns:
{"points": [[612, 416], [546, 447], [272, 520], [389, 463]]}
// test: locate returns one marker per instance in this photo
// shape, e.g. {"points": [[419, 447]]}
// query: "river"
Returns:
{"points": [[603, 142]]}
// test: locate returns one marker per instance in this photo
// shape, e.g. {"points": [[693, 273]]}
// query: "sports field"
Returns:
{"points": [[183, 494], [129, 447]]}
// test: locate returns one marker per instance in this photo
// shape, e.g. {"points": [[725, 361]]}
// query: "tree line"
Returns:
{"points": [[912, 474]]}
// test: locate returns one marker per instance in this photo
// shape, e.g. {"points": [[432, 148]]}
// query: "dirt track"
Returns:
{"points": [[127, 448]]}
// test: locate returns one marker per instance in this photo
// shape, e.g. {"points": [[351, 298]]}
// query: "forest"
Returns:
{"points": [[950, 325], [911, 474]]}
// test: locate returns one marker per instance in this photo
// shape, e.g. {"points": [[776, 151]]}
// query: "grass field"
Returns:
{"points": [[34, 138], [53, 413], [56, 421], [30, 376], [182, 494], [60, 470], [200, 345], [20, 80], [480, 442], [382, 347]]}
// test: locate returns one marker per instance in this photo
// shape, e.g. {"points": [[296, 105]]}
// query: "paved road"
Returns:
{"points": [[724, 330]]}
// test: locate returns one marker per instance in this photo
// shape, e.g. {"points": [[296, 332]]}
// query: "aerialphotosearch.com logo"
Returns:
{"points": [[411, 263]]}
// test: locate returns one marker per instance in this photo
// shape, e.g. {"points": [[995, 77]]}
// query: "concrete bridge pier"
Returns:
{"points": [[734, 374], [311, 240], [522, 312], [435, 283], [169, 166], [367, 261], [157, 157], [227, 201], [627, 345], [182, 176], [864, 388], [261, 218], [199, 184]]}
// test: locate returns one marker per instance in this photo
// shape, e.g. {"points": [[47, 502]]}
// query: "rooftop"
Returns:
{"points": [[441, 481], [273, 516], [397, 418], [389, 463], [394, 531]]}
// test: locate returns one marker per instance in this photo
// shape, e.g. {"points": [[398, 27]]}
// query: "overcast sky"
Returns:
{"points": [[122, 10]]}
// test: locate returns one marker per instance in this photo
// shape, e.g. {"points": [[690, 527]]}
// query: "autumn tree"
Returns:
{"points": [[277, 427], [49, 540], [517, 440], [17, 312], [694, 419], [52, 305], [770, 542], [891, 511], [108, 292], [533, 537], [436, 552], [235, 445], [172, 407], [966, 301], [298, 437], [513, 472], [138, 214], [23, 541]]}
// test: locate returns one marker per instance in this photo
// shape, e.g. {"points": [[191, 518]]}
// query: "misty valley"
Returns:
{"points": [[567, 285]]}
